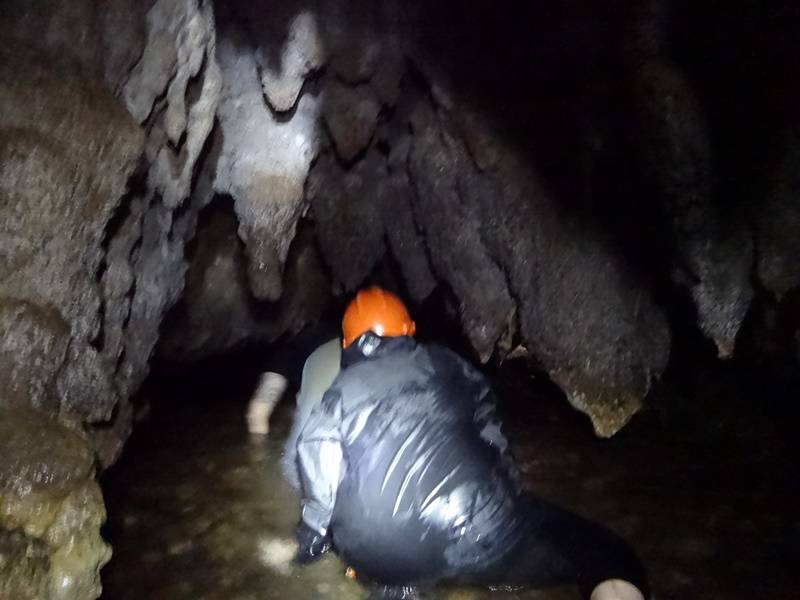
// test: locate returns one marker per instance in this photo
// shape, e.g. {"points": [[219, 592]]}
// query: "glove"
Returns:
{"points": [[311, 545]]}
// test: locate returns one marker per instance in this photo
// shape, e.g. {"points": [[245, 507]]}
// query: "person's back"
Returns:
{"points": [[424, 496], [405, 472]]}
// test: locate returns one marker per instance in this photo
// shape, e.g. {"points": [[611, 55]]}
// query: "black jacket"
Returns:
{"points": [[405, 463]]}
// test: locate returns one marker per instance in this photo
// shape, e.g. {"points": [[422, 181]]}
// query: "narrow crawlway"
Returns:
{"points": [[198, 509]]}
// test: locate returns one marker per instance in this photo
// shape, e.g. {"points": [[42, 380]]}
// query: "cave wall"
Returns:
{"points": [[560, 178], [219, 313], [103, 117], [561, 226]]}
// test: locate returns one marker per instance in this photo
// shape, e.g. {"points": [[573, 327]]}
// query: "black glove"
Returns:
{"points": [[311, 544]]}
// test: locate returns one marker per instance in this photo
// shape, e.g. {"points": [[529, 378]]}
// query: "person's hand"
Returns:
{"points": [[311, 544]]}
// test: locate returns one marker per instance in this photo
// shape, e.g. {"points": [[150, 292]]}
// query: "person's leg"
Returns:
{"points": [[561, 547], [262, 404]]}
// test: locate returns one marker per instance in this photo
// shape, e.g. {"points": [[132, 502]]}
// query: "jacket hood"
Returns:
{"points": [[370, 346]]}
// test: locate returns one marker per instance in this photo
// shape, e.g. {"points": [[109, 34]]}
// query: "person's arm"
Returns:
{"points": [[320, 464], [486, 418], [269, 391], [490, 428], [480, 401]]}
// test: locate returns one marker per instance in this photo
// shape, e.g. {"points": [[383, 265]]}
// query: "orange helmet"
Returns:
{"points": [[378, 311]]}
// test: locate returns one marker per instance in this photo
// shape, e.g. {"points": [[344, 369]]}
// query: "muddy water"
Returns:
{"points": [[198, 509]]}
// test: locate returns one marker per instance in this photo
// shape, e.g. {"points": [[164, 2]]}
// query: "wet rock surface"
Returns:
{"points": [[219, 313], [263, 164], [92, 242], [714, 254], [51, 510], [91, 251], [709, 509], [65, 168], [778, 226], [463, 177], [412, 168]]}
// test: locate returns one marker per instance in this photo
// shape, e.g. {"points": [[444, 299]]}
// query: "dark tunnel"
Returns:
{"points": [[595, 204]]}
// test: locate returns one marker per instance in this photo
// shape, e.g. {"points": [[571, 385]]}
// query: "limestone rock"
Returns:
{"points": [[497, 218], [47, 191], [709, 238], [347, 218], [355, 36], [458, 254], [159, 63], [723, 292], [145, 263], [303, 52], [123, 30], [33, 345], [402, 234], [24, 567], [218, 311], [179, 61], [307, 286], [386, 80], [351, 114], [159, 269], [117, 279], [263, 164], [85, 385], [64, 168], [91, 245], [108, 438], [51, 510], [778, 226]]}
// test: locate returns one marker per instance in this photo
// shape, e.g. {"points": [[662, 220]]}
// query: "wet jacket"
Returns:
{"points": [[404, 462]]}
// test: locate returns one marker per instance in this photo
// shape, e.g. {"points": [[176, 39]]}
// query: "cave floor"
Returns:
{"points": [[198, 508]]}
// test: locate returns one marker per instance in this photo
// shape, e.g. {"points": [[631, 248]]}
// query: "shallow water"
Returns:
{"points": [[198, 508]]}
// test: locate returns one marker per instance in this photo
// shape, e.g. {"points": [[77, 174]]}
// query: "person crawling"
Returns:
{"points": [[404, 471]]}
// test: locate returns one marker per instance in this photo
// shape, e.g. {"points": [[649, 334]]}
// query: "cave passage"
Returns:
{"points": [[199, 509], [598, 202]]}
